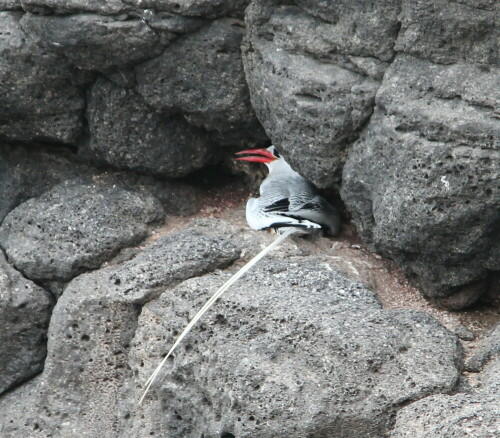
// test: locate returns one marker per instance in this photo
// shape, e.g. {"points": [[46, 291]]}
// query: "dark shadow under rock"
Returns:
{"points": [[25, 310]]}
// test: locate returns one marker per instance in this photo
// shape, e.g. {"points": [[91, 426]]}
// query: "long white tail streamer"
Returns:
{"points": [[212, 300]]}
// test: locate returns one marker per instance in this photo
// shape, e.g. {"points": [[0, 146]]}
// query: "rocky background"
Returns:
{"points": [[117, 120]]}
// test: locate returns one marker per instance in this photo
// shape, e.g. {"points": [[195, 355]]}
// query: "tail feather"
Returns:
{"points": [[211, 301]]}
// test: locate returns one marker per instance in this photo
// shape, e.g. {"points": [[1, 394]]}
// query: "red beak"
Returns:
{"points": [[262, 156]]}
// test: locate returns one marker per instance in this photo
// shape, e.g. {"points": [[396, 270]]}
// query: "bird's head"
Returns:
{"points": [[269, 156]]}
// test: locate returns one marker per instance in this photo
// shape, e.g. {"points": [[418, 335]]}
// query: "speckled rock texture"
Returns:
{"points": [[293, 350], [296, 333], [118, 117], [73, 228], [30, 171], [313, 68], [128, 134], [474, 414], [202, 76], [422, 181], [25, 310], [40, 94], [86, 371]]}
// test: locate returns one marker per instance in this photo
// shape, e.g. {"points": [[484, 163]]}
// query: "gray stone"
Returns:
{"points": [[126, 133], [201, 74], [10, 5], [29, 171], [170, 26], [294, 349], [94, 42], [74, 228], [461, 415], [65, 7], [91, 329], [40, 95], [201, 8], [475, 414], [313, 71], [448, 31], [24, 317], [488, 348], [422, 182]]}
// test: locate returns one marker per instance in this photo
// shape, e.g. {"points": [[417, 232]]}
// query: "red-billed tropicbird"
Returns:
{"points": [[287, 199], [289, 203]]}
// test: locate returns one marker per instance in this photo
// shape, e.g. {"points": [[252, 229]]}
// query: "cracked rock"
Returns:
{"points": [[202, 75], [422, 181], [313, 70], [84, 380]]}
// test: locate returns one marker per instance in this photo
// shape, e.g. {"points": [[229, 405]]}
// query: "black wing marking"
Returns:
{"points": [[281, 205], [299, 224], [313, 206]]}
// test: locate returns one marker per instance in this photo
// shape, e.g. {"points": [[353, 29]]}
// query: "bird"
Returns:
{"points": [[287, 199], [289, 203]]}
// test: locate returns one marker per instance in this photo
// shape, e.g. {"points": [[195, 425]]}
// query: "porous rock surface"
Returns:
{"points": [[75, 227], [295, 349], [25, 310], [40, 94], [474, 414], [103, 103], [128, 134], [202, 76], [296, 333], [313, 69], [91, 329], [422, 181]]}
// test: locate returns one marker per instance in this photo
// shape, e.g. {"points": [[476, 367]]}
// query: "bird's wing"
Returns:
{"points": [[261, 215], [317, 210]]}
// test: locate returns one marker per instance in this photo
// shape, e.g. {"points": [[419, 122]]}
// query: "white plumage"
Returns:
{"points": [[288, 199]]}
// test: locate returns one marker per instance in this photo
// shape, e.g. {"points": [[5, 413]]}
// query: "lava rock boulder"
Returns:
{"points": [[74, 228]]}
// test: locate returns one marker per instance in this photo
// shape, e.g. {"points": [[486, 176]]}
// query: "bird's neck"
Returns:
{"points": [[280, 167]]}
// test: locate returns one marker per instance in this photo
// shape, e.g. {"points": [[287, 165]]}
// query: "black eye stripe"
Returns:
{"points": [[277, 154]]}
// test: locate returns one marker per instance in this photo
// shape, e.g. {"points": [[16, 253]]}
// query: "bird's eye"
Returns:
{"points": [[277, 154]]}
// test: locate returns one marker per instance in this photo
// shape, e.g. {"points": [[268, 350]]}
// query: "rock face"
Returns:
{"points": [[293, 350], [40, 96], [111, 114], [90, 334], [294, 334], [126, 133], [422, 181], [202, 76], [25, 310], [474, 414], [94, 42], [313, 70], [27, 172], [74, 228]]}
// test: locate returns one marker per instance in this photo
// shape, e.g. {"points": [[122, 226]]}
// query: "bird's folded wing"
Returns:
{"points": [[261, 215]]}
